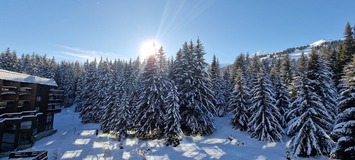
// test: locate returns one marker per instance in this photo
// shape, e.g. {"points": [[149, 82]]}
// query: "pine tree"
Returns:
{"points": [[301, 69], [88, 108], [196, 98], [101, 86], [111, 107], [239, 102], [151, 102], [264, 123], [348, 48], [172, 118], [282, 96], [333, 64], [309, 122], [80, 84], [66, 82], [254, 69], [344, 130], [217, 87], [162, 63], [9, 60], [227, 87], [25, 64], [285, 71], [311, 115], [240, 62], [123, 119], [323, 86]]}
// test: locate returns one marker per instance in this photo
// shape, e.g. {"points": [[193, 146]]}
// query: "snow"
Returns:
{"points": [[74, 140], [318, 43], [20, 77], [297, 53]]}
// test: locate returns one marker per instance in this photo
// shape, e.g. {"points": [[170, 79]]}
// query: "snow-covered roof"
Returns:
{"points": [[20, 77]]}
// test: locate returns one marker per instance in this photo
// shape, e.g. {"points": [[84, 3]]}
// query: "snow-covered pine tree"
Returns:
{"points": [[9, 60], [78, 71], [264, 123], [239, 62], [162, 64], [323, 86], [227, 86], [25, 64], [344, 130], [109, 110], [205, 98], [311, 117], [123, 117], [309, 122], [253, 69], [150, 105], [196, 98], [302, 65], [348, 47], [66, 82], [132, 75], [331, 56], [80, 86], [132, 85], [240, 101], [172, 118], [285, 70], [217, 87], [282, 96], [101, 85], [88, 109], [35, 64]]}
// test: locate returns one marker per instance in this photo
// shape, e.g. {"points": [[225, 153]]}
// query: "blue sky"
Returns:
{"points": [[80, 29]]}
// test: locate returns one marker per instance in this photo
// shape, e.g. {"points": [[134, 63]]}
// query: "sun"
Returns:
{"points": [[149, 47]]}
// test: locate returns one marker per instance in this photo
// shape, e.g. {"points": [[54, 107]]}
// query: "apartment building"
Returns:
{"points": [[27, 107]]}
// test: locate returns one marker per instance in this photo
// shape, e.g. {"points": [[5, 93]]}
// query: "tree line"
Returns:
{"points": [[310, 99]]}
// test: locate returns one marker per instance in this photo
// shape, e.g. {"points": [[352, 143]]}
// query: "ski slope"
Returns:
{"points": [[74, 140]]}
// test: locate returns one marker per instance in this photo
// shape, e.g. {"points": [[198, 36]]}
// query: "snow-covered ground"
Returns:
{"points": [[74, 140]]}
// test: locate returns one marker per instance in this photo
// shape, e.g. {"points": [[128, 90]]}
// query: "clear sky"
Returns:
{"points": [[79, 29]]}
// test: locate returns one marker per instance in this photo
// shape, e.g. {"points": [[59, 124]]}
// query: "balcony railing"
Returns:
{"points": [[9, 87], [8, 93], [18, 115]]}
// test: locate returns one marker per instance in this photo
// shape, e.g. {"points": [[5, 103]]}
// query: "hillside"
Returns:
{"points": [[295, 52]]}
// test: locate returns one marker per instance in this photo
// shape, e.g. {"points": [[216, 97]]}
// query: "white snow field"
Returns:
{"points": [[74, 140]]}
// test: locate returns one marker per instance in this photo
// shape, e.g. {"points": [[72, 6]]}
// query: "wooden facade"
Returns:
{"points": [[27, 107]]}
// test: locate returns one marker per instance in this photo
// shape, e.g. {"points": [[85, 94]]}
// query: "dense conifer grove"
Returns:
{"points": [[311, 99]]}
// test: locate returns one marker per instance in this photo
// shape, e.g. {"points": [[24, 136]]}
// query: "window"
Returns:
{"points": [[34, 128], [49, 118], [38, 98], [10, 127], [48, 126], [26, 125]]}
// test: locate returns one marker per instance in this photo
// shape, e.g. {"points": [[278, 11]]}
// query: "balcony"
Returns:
{"points": [[7, 103], [18, 116], [8, 92], [9, 87], [25, 88], [25, 91], [23, 103]]}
